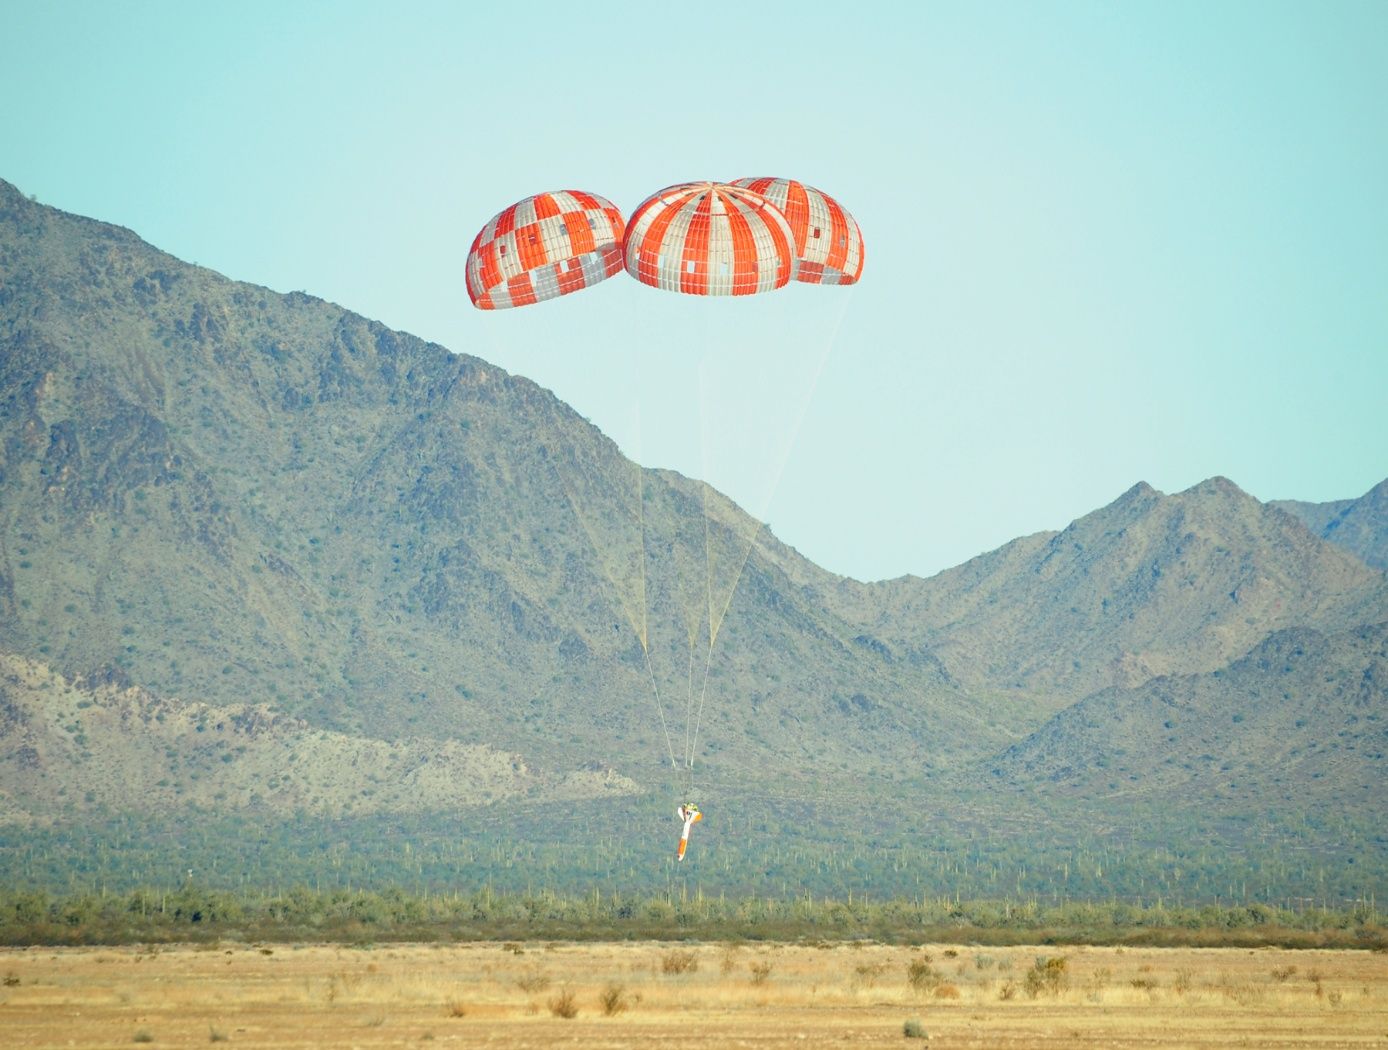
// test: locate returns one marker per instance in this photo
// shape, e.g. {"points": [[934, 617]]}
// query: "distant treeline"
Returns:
{"points": [[745, 849], [203, 914]]}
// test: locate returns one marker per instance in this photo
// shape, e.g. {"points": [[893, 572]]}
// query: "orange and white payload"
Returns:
{"points": [[689, 813]]}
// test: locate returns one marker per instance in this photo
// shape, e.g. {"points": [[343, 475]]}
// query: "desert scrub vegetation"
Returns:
{"points": [[681, 960], [921, 974], [533, 980], [868, 974], [564, 1005], [613, 1000], [192, 913], [1047, 976], [727, 963]]}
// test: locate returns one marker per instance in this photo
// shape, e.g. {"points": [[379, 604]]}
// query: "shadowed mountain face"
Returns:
{"points": [[1360, 525], [1303, 718], [222, 499]]}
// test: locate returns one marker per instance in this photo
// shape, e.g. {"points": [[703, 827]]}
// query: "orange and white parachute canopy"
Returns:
{"points": [[709, 238], [828, 241], [543, 247]]}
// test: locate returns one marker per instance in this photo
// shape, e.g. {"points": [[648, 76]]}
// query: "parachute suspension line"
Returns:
{"points": [[708, 559], [703, 695], [660, 708], [607, 569], [689, 708], [641, 519], [716, 623], [638, 627], [713, 637], [645, 645], [708, 658]]}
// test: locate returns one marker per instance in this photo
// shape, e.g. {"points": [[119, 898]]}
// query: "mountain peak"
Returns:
{"points": [[384, 538], [1141, 490], [1219, 486]]}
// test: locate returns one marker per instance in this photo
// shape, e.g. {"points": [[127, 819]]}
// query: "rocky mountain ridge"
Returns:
{"points": [[1360, 525], [265, 503]]}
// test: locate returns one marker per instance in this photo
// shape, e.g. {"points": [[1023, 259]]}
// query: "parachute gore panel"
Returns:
{"points": [[709, 238], [828, 242], [543, 247]]}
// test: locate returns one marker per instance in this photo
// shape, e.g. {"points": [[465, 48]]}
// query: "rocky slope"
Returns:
{"points": [[241, 508], [1302, 720], [77, 747], [1360, 525], [1150, 585], [217, 492]]}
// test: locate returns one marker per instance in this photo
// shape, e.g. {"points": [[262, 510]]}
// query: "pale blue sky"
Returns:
{"points": [[1105, 243]]}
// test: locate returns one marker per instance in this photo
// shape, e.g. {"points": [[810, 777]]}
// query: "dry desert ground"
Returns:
{"points": [[646, 994]]}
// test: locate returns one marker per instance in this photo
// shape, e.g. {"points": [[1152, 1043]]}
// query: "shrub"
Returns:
{"points": [[563, 1005], [921, 975], [1007, 991], [613, 1000], [456, 1008], [533, 981], [947, 991], [144, 1035], [913, 1029], [679, 961], [867, 973], [1048, 975], [761, 971], [216, 1035]]}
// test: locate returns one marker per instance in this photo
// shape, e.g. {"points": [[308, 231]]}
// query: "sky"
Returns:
{"points": [[1105, 243]]}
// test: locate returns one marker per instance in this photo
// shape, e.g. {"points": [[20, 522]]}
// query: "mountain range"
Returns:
{"points": [[260, 553]]}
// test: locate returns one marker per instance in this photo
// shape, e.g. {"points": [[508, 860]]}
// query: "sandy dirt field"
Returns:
{"points": [[643, 994]]}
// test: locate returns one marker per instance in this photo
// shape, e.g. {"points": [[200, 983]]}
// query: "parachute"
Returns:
{"points": [[543, 247], [709, 238], [702, 239], [828, 242]]}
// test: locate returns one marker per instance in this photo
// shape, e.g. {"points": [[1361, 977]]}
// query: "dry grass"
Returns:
{"points": [[680, 961], [533, 980], [617, 995], [614, 1000], [564, 1005]]}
